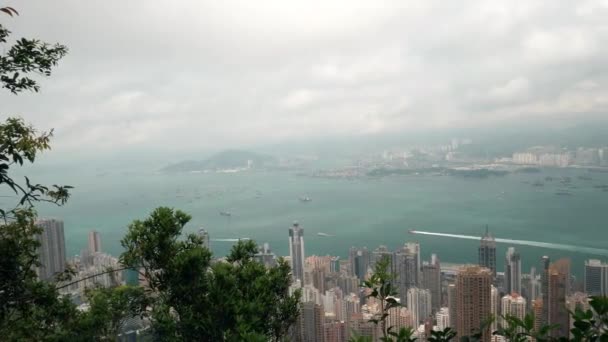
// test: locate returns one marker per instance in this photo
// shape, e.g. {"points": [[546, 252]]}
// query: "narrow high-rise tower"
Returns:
{"points": [[473, 301], [512, 272], [431, 280], [52, 249], [419, 304], [452, 303], [296, 251], [94, 242], [558, 277], [487, 253], [545, 290], [359, 259], [407, 268]]}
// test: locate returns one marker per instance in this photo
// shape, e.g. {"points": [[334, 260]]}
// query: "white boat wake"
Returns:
{"points": [[230, 240], [559, 246]]}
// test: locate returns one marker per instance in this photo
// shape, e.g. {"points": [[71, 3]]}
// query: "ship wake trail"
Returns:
{"points": [[229, 240], [559, 246]]}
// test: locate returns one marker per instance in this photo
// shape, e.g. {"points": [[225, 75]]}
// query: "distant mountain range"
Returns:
{"points": [[225, 160]]}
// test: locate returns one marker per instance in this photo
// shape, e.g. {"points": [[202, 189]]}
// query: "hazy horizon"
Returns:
{"points": [[188, 78]]}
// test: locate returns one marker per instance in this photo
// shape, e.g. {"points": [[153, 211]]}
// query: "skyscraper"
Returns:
{"points": [[431, 280], [513, 305], [473, 300], [407, 268], [383, 252], [419, 304], [557, 282], [359, 259], [512, 272], [399, 317], [494, 307], [204, 234], [530, 286], [487, 252], [443, 318], [335, 331], [312, 319], [537, 309], [318, 279], [452, 303], [94, 242], [334, 264], [52, 248], [545, 290], [265, 255], [296, 251], [596, 278]]}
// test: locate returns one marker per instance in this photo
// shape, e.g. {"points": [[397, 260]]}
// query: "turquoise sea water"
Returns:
{"points": [[363, 212]]}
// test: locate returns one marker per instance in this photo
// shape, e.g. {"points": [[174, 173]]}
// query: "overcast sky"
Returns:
{"points": [[210, 74]]}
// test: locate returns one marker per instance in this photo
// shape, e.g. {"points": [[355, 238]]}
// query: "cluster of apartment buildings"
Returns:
{"points": [[335, 305], [553, 157], [434, 297]]}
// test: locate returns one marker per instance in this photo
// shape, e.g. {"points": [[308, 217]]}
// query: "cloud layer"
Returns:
{"points": [[144, 74]]}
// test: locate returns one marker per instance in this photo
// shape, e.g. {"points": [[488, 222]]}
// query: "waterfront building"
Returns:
{"points": [[431, 280], [51, 251], [596, 278], [359, 259], [296, 251], [94, 242], [512, 271], [487, 253]]}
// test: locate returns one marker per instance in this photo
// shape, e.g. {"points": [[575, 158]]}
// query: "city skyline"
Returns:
{"points": [[325, 297]]}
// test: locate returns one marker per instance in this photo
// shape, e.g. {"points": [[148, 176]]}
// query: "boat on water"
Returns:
{"points": [[324, 234], [305, 199], [225, 213]]}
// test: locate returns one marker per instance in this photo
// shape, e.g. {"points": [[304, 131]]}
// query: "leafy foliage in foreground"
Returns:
{"points": [[29, 309], [194, 299]]}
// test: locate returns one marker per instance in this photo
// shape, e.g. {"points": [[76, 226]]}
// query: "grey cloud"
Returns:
{"points": [[145, 74]]}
